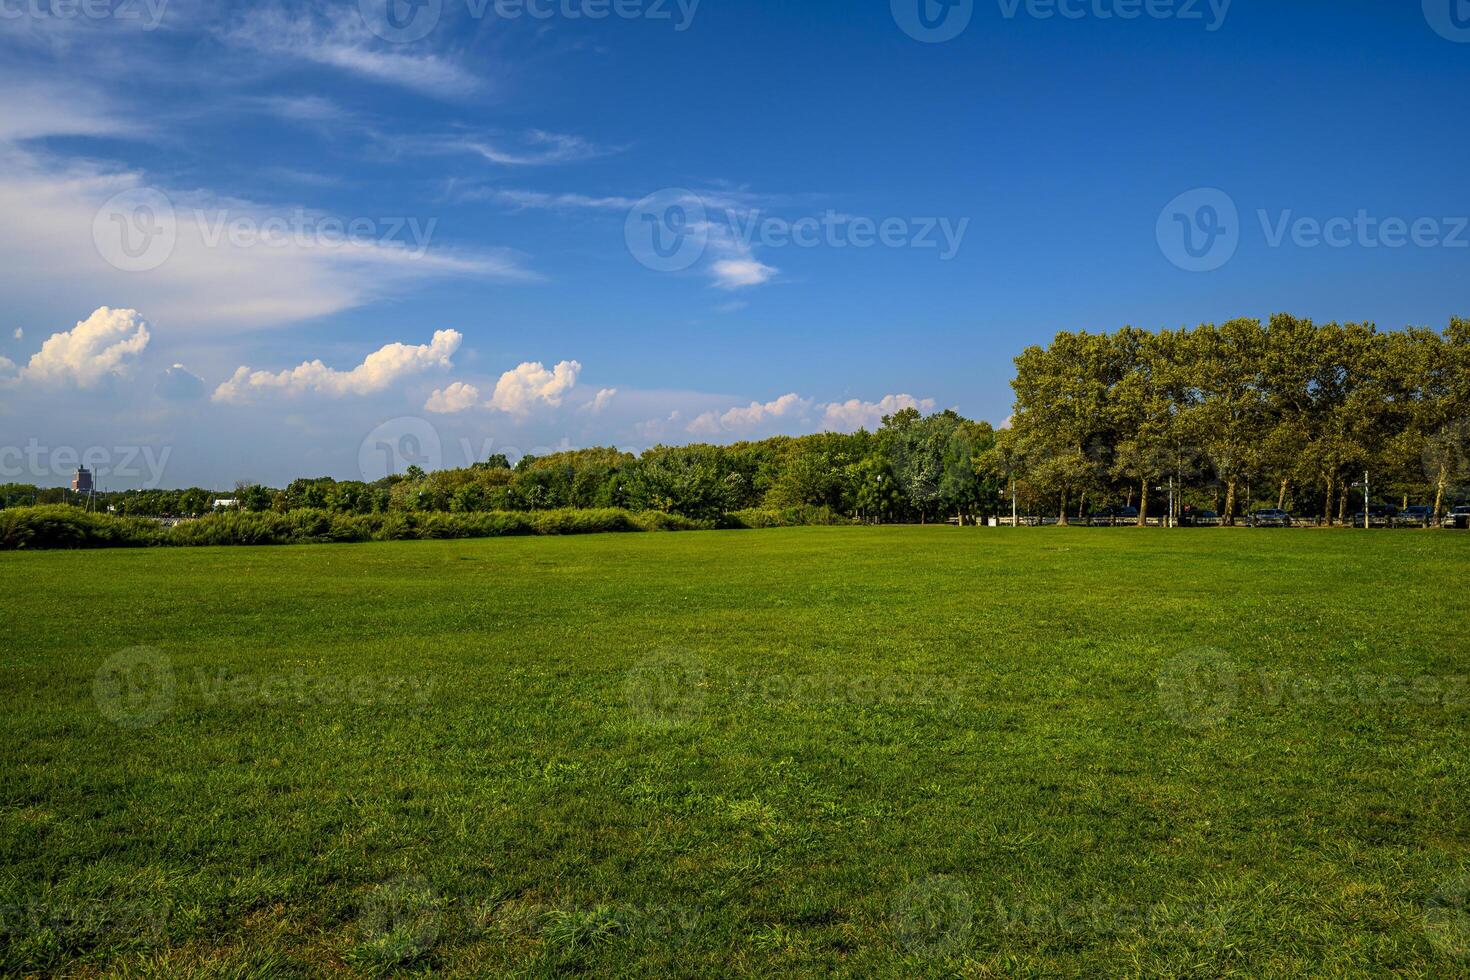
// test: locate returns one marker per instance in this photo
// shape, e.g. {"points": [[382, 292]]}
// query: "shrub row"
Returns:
{"points": [[35, 528], [761, 517]]}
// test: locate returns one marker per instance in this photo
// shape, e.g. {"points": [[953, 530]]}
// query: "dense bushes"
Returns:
{"points": [[59, 526], [760, 517], [70, 527]]}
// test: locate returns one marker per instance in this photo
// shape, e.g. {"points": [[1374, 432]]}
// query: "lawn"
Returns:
{"points": [[865, 751]]}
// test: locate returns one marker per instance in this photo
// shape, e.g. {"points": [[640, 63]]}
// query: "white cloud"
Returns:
{"points": [[740, 273], [20, 334], [33, 111], [603, 399], [97, 347], [537, 148], [342, 40], [849, 416], [7, 367], [378, 372], [206, 280], [751, 417], [458, 397], [520, 390], [557, 202]]}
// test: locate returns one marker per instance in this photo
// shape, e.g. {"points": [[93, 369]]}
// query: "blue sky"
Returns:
{"points": [[176, 275]]}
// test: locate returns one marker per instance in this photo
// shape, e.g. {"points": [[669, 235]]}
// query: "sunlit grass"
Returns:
{"points": [[894, 751]]}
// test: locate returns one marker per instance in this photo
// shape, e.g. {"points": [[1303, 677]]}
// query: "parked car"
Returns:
{"points": [[1110, 516], [1270, 517], [1417, 516], [1379, 515], [1458, 517]]}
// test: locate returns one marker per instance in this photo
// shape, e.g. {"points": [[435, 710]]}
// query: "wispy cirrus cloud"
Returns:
{"points": [[339, 38]]}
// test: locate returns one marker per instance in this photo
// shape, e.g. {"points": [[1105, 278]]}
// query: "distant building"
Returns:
{"points": [[82, 482], [227, 505]]}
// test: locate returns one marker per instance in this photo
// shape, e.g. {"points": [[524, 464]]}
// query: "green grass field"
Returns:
{"points": [[866, 751]]}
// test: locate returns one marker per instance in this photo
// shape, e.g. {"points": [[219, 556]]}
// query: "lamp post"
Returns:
{"points": [[1367, 515]]}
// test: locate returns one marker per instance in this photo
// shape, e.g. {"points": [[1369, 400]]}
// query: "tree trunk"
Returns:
{"points": [[1327, 507], [1230, 502], [1143, 503], [1342, 507], [1281, 497], [1439, 494], [1062, 519]]}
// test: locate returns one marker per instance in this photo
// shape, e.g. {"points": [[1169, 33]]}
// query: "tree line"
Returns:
{"points": [[1287, 414]]}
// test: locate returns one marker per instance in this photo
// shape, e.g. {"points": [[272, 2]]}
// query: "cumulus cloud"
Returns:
{"points": [[378, 372], [603, 399], [851, 415], [532, 384], [20, 334], [750, 417], [97, 347], [458, 397], [740, 273]]}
